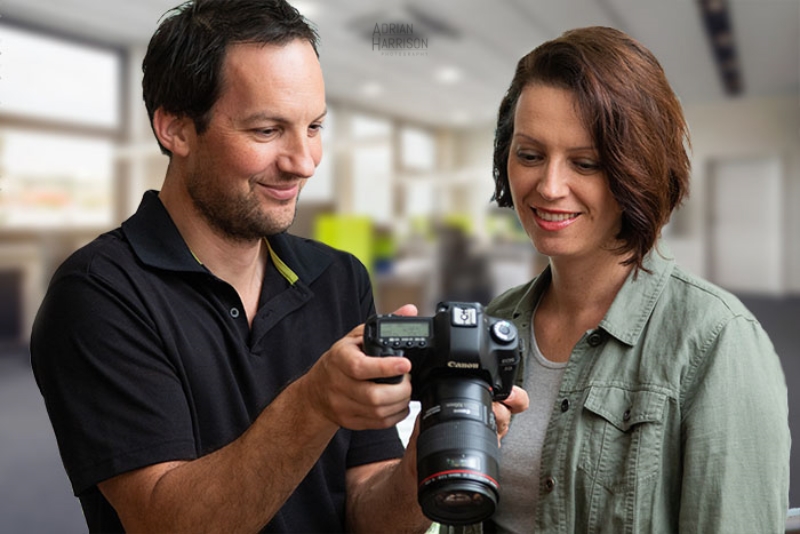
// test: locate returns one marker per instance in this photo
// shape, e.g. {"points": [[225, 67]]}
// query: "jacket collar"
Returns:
{"points": [[630, 309]]}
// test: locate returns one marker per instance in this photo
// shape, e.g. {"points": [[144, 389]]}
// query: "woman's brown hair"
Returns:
{"points": [[635, 120]]}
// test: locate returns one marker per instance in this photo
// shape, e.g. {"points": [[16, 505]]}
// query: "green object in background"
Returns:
{"points": [[351, 233], [459, 221]]}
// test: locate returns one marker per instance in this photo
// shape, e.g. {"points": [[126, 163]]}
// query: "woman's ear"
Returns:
{"points": [[173, 131]]}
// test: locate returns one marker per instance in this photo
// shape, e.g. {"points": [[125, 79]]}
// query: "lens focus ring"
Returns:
{"points": [[450, 435]]}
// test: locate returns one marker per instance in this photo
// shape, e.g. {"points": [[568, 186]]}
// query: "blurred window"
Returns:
{"points": [[59, 121], [418, 150], [372, 181], [54, 180], [56, 80], [370, 127]]}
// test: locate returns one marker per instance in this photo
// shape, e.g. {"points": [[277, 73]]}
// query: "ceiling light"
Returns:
{"points": [[448, 75], [371, 89], [307, 8]]}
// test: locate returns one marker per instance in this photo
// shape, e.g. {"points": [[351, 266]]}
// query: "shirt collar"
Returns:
{"points": [[632, 306], [637, 297], [157, 242]]}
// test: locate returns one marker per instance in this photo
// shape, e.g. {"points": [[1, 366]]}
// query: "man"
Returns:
{"points": [[201, 367]]}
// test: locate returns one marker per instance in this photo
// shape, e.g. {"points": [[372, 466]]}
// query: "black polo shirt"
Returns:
{"points": [[143, 356]]}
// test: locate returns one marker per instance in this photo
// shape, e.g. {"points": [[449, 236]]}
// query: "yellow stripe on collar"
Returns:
{"points": [[284, 269]]}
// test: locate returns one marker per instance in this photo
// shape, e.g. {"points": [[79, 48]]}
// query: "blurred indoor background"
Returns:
{"points": [[405, 182]]}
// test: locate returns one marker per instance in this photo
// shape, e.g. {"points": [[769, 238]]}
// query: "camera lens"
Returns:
{"points": [[457, 466]]}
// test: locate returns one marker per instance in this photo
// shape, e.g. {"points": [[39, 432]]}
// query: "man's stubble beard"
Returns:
{"points": [[237, 218]]}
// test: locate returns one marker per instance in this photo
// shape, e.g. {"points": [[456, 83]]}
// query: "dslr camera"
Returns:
{"points": [[462, 360]]}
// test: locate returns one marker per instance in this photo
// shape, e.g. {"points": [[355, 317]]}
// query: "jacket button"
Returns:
{"points": [[595, 338], [234, 313], [565, 405], [549, 484], [627, 415]]}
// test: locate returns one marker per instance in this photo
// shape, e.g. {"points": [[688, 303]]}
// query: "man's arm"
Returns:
{"points": [[382, 497], [240, 487]]}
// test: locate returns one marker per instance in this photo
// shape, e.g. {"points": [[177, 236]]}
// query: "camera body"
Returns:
{"points": [[460, 340], [462, 361]]}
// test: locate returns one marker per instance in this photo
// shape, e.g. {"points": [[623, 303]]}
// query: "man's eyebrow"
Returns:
{"points": [[263, 116]]}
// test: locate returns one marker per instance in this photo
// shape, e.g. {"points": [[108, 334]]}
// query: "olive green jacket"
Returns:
{"points": [[672, 415]]}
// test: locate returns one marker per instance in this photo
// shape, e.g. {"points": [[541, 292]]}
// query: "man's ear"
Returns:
{"points": [[173, 131]]}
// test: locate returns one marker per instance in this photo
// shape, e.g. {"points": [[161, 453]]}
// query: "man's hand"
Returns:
{"points": [[516, 402], [342, 388]]}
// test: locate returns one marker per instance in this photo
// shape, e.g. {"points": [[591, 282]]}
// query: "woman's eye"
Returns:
{"points": [[587, 166], [527, 157]]}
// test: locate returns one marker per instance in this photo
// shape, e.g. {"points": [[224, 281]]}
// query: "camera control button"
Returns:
{"points": [[503, 332]]}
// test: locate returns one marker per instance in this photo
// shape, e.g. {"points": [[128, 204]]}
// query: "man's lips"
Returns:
{"points": [[282, 191]]}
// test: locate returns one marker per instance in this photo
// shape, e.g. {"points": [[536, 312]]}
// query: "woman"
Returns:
{"points": [[657, 402]]}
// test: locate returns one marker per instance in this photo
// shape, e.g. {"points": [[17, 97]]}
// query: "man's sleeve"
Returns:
{"points": [[113, 397]]}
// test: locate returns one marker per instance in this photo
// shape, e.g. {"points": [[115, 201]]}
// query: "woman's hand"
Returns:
{"points": [[516, 402]]}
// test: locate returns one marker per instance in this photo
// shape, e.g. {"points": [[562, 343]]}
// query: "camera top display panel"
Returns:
{"points": [[405, 329]]}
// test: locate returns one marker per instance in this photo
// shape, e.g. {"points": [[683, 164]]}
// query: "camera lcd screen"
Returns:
{"points": [[404, 329]]}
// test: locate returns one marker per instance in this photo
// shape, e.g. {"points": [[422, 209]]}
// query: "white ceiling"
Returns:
{"points": [[477, 42]]}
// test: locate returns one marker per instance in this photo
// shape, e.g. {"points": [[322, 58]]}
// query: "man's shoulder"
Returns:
{"points": [[106, 253]]}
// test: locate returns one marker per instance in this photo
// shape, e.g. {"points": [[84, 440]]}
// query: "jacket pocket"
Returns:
{"points": [[624, 436]]}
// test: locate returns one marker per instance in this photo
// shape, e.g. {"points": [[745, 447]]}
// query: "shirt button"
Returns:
{"points": [[565, 405], [595, 338], [549, 484], [627, 415], [234, 313]]}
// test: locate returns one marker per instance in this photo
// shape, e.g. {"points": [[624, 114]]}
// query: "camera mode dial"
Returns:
{"points": [[503, 332]]}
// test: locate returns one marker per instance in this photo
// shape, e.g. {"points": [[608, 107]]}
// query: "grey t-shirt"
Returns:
{"points": [[521, 449]]}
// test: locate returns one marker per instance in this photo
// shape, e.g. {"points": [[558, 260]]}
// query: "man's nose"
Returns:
{"points": [[300, 155]]}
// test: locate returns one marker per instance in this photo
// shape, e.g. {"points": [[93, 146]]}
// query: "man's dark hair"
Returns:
{"points": [[635, 120], [183, 64]]}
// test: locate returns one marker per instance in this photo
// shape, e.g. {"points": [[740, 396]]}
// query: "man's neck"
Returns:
{"points": [[240, 263]]}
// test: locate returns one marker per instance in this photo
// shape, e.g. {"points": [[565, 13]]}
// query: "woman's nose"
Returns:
{"points": [[553, 182]]}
